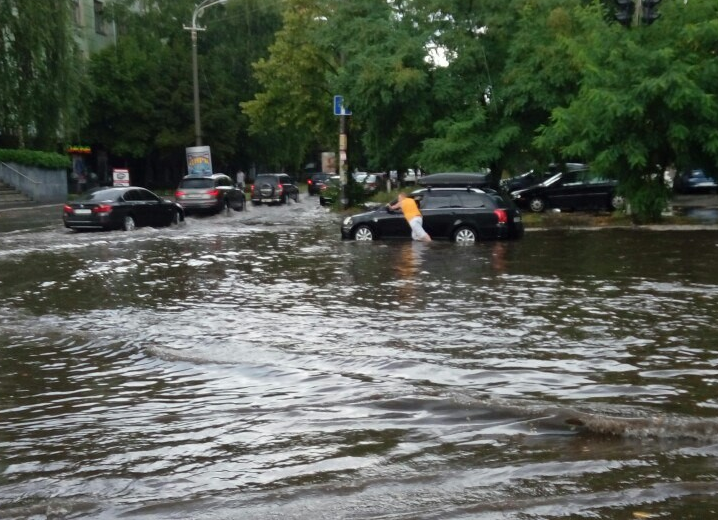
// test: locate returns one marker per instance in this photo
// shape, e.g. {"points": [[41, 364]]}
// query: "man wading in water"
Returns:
{"points": [[413, 217]]}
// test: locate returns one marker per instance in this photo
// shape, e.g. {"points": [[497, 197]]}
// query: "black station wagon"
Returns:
{"points": [[458, 214]]}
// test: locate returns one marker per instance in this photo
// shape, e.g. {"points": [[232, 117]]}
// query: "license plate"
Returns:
{"points": [[82, 211], [266, 200]]}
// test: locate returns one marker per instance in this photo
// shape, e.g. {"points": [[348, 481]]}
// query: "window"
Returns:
{"points": [[100, 18], [77, 12], [472, 200]]}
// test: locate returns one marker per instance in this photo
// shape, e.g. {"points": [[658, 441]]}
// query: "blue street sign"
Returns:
{"points": [[339, 109]]}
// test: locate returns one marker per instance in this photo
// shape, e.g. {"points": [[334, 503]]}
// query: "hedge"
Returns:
{"points": [[49, 160]]}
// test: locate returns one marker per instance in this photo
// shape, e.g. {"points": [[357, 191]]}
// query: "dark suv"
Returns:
{"points": [[458, 214], [274, 188], [209, 193]]}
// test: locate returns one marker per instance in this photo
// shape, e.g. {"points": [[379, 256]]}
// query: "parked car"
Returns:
{"points": [[570, 190], [329, 190], [374, 183], [209, 193], [316, 181], [120, 208], [274, 188], [458, 214], [525, 180], [694, 180]]}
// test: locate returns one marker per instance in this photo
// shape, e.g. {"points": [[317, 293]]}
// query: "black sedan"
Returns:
{"points": [[120, 208], [463, 215], [571, 190]]}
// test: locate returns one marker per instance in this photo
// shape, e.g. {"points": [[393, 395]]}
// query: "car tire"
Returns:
{"points": [[266, 190], [240, 206], [128, 224], [176, 219], [465, 235], [617, 202], [537, 205], [363, 234], [296, 197]]}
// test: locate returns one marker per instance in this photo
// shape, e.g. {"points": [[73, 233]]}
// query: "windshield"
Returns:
{"points": [[102, 195]]}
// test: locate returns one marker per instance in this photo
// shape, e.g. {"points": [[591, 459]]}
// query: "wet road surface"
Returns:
{"points": [[256, 366]]}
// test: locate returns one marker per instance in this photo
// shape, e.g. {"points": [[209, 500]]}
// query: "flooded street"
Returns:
{"points": [[256, 366]]}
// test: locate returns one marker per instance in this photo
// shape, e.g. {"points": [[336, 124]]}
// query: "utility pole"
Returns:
{"points": [[204, 4], [342, 112]]}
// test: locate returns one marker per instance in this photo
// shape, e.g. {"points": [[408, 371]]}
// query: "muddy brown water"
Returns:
{"points": [[257, 366]]}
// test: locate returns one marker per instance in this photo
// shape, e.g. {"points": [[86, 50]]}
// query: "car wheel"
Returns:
{"points": [[617, 202], [363, 234], [296, 197], [129, 223], [175, 218], [537, 205], [465, 235], [240, 206]]}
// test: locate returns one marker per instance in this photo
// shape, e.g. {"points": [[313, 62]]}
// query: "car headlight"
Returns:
{"points": [[347, 222]]}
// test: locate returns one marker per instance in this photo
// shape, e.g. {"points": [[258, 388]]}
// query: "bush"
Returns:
{"points": [[49, 160]]}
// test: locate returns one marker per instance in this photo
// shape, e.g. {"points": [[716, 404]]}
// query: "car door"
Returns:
{"points": [[132, 205], [227, 190], [439, 211], [157, 211], [563, 193]]}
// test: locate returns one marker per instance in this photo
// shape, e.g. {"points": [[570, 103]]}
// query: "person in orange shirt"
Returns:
{"points": [[412, 215]]}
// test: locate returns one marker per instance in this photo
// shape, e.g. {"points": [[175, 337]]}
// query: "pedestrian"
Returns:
{"points": [[412, 215], [240, 180]]}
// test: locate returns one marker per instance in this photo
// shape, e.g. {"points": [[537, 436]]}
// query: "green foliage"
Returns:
{"points": [[41, 74], [36, 158], [646, 100]]}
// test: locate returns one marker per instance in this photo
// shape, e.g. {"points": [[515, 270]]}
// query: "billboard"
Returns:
{"points": [[199, 160]]}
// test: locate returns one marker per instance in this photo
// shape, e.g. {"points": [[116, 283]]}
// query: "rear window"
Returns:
{"points": [[101, 195], [264, 179], [196, 184]]}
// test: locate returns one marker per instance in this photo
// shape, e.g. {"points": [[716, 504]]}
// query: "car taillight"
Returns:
{"points": [[252, 188], [179, 194], [280, 188], [503, 217], [102, 208], [309, 182], [213, 193], [67, 208]]}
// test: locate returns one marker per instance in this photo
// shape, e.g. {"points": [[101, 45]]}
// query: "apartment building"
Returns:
{"points": [[94, 28]]}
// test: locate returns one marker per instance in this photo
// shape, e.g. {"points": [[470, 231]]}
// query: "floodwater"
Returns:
{"points": [[255, 366]]}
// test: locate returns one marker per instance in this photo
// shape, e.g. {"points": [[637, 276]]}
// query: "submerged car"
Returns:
{"points": [[273, 188], [570, 190], [462, 215], [209, 193], [694, 181], [120, 208]]}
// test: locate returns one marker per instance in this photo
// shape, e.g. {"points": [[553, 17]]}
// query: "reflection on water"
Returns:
{"points": [[257, 363]]}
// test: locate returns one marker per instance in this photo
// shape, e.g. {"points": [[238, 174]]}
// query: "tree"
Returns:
{"points": [[142, 103], [41, 74], [292, 109], [646, 100]]}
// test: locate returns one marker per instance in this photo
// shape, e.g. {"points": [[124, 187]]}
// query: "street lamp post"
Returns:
{"points": [[204, 4]]}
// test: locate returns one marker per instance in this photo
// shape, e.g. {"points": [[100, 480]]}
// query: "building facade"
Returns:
{"points": [[94, 28]]}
